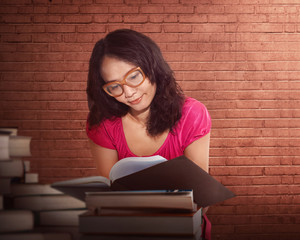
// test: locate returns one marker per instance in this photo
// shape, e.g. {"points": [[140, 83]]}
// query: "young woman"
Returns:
{"points": [[136, 107]]}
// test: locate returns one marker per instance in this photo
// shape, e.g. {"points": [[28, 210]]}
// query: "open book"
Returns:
{"points": [[79, 186], [152, 173]]}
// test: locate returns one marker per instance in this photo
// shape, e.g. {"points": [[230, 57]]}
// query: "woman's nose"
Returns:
{"points": [[129, 91]]}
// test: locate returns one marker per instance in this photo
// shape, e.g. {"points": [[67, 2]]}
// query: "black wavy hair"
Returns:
{"points": [[140, 50]]}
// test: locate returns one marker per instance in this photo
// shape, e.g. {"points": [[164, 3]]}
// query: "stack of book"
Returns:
{"points": [[154, 214], [125, 206], [29, 210]]}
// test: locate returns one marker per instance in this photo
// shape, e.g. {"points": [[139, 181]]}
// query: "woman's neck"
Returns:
{"points": [[140, 118]]}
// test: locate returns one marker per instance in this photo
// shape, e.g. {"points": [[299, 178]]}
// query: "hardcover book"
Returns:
{"points": [[157, 174], [126, 221]]}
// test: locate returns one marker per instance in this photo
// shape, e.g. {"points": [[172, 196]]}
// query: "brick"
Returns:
{"points": [[135, 19], [22, 115], [167, 18], [47, 38], [13, 57], [230, 56], [208, 28], [11, 77], [60, 28], [287, 180], [165, 2], [41, 2], [70, 9], [110, 1], [16, 18], [164, 37], [93, 9], [108, 18], [114, 18], [293, 170], [47, 19], [193, 2], [81, 38], [25, 9], [147, 28], [48, 77], [7, 28], [270, 9], [77, 19], [289, 28], [91, 28], [284, 2], [30, 29], [151, 9], [77, 2], [41, 9], [193, 18], [222, 18], [177, 28], [78, 57], [8, 9], [66, 106], [236, 171], [252, 18], [136, 2], [14, 38], [75, 76], [70, 47], [224, 2], [15, 2], [48, 57], [256, 2], [213, 9], [82, 163], [123, 9], [179, 9], [239, 9]]}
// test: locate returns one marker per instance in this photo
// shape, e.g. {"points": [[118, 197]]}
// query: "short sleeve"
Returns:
{"points": [[195, 122], [100, 136]]}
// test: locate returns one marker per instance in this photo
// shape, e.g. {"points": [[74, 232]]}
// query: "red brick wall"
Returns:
{"points": [[239, 57]]}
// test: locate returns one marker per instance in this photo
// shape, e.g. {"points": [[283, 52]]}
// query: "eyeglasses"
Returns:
{"points": [[134, 78]]}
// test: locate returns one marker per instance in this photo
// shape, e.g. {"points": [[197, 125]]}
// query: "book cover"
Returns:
{"points": [[16, 220], [69, 217], [36, 236], [47, 202], [156, 199], [11, 168], [126, 221], [178, 173]]}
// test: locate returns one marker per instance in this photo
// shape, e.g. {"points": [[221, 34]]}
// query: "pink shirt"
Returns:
{"points": [[194, 123]]}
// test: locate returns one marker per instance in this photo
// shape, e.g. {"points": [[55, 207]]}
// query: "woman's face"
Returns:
{"points": [[137, 98]]}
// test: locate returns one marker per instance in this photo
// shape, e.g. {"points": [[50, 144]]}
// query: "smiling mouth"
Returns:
{"points": [[136, 101]]}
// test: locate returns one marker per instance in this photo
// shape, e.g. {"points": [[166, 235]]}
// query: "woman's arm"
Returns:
{"points": [[198, 152], [104, 158]]}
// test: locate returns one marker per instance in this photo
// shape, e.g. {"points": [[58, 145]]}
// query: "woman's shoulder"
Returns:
{"points": [[194, 115], [105, 125], [192, 106], [106, 133]]}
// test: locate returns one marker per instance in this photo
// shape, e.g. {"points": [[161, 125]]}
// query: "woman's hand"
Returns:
{"points": [[104, 158]]}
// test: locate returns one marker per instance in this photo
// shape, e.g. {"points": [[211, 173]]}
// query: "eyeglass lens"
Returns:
{"points": [[132, 80]]}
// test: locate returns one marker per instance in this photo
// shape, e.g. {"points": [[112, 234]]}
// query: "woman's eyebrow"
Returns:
{"points": [[122, 77]]}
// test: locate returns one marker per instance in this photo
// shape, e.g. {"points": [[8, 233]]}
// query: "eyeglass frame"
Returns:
{"points": [[123, 82]]}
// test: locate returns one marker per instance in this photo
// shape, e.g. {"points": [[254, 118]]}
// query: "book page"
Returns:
{"points": [[87, 181], [131, 165]]}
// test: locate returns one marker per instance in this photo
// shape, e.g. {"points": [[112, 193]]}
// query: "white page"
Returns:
{"points": [[131, 165]]}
